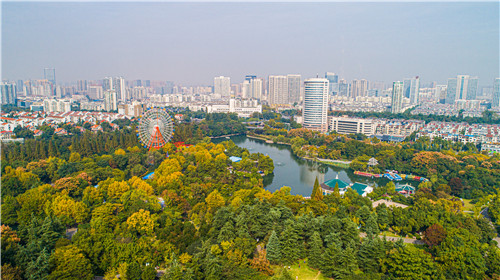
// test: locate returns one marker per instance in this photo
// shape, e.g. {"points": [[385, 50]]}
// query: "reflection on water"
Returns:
{"points": [[297, 173]]}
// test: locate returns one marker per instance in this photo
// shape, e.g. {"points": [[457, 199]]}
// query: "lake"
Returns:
{"points": [[290, 170]]}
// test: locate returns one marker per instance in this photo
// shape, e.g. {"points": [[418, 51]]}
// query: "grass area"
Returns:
{"points": [[467, 205], [304, 272], [388, 233]]}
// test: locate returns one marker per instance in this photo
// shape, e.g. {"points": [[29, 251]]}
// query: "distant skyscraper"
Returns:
{"points": [[333, 80], [343, 88], [20, 86], [49, 74], [315, 115], [82, 85], [411, 89], [256, 88], [440, 93], [496, 93], [294, 84], [9, 93], [120, 89], [95, 92], [278, 90], [397, 97], [359, 88], [110, 100], [222, 86], [464, 87], [250, 77], [107, 83]]}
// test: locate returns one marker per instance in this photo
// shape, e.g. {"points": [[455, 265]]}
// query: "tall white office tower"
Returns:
{"points": [[222, 86], [496, 94], [358, 88], [333, 79], [397, 97], [411, 89], [278, 90], [463, 87], [120, 89], [315, 116], [107, 83], [110, 100], [256, 88], [294, 84]]}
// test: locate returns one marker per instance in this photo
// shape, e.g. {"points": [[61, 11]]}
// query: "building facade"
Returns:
{"points": [[315, 113], [222, 86], [294, 84], [463, 87], [9, 93], [278, 90], [397, 97], [411, 89], [348, 125], [496, 94], [110, 100]]}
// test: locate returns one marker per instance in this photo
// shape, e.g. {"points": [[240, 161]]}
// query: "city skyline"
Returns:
{"points": [[435, 41]]}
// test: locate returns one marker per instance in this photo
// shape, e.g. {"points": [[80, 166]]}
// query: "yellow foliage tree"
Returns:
{"points": [[214, 201], [142, 222], [117, 189], [138, 183], [120, 152], [67, 210]]}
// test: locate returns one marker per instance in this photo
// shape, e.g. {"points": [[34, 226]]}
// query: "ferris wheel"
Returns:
{"points": [[155, 128]]}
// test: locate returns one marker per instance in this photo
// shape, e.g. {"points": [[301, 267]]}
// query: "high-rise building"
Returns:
{"points": [[256, 88], [9, 93], [411, 89], [359, 88], [397, 97], [333, 80], [82, 86], [440, 93], [95, 92], [496, 94], [222, 86], [463, 87], [20, 86], [278, 90], [343, 88], [107, 83], [315, 115], [294, 84], [110, 100], [49, 74], [250, 77], [119, 88]]}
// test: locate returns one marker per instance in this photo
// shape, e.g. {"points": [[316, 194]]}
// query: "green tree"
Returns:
{"points": [[273, 248], [317, 193], [70, 263], [315, 251], [409, 262]]}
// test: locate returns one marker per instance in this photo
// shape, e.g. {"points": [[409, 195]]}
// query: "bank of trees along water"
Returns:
{"points": [[203, 216]]}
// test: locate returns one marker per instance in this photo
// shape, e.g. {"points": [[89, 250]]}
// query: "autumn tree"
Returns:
{"points": [[317, 193], [434, 235]]}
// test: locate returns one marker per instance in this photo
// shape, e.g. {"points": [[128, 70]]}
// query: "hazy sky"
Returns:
{"points": [[190, 43]]}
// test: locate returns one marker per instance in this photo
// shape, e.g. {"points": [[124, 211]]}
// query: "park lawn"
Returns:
{"points": [[304, 272], [388, 234], [467, 205]]}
